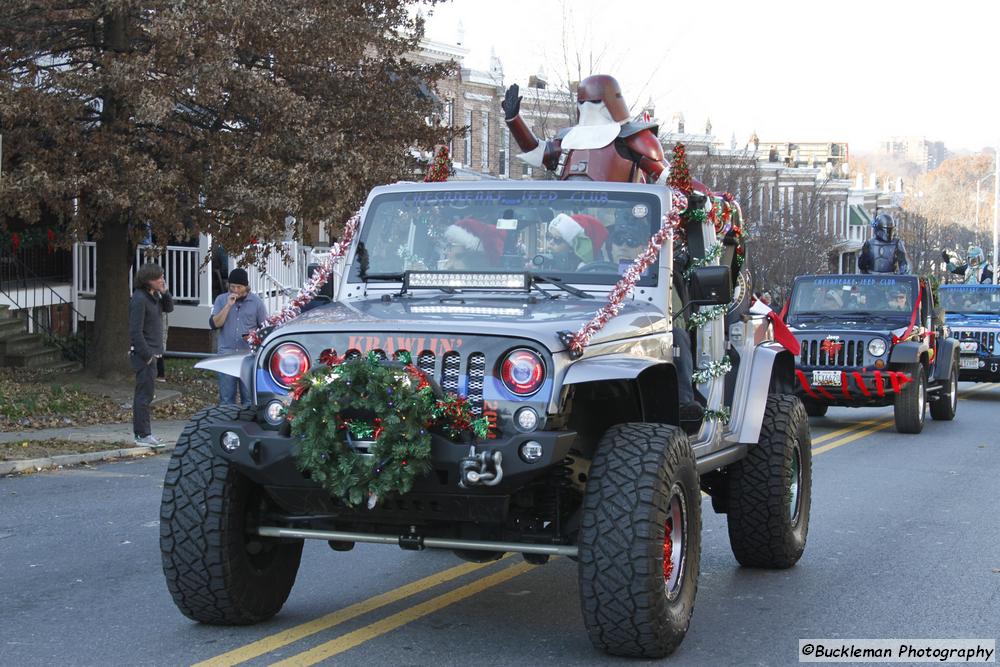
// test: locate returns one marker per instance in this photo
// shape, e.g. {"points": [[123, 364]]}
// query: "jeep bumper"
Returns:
{"points": [[850, 388], [268, 458], [979, 368]]}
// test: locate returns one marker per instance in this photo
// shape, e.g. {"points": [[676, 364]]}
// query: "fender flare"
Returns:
{"points": [[235, 365], [767, 359], [907, 353], [947, 352], [656, 380]]}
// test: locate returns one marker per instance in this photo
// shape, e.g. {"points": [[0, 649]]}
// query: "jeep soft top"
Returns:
{"points": [[585, 457]]}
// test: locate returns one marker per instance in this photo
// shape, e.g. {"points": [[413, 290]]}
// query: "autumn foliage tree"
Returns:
{"points": [[208, 116]]}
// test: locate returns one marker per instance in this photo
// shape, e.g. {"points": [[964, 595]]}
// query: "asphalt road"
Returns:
{"points": [[904, 543]]}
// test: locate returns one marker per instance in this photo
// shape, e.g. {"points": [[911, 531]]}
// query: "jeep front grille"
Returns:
{"points": [[450, 373], [850, 354], [987, 339]]}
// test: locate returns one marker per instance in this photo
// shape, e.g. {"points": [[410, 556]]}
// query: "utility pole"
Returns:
{"points": [[996, 208]]}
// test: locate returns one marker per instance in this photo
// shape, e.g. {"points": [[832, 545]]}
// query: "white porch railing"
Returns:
{"points": [[181, 265]]}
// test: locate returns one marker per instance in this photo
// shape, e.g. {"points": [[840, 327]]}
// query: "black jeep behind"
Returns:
{"points": [[873, 340]]}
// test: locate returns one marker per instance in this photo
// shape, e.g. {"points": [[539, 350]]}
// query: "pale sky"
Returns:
{"points": [[855, 71]]}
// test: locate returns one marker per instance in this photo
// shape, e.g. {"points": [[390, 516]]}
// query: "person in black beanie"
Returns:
{"points": [[150, 299], [235, 314]]}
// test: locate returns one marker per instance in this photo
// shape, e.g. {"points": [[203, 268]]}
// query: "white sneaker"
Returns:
{"points": [[150, 441]]}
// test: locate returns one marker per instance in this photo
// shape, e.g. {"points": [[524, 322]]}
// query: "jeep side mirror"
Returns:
{"points": [[710, 286]]}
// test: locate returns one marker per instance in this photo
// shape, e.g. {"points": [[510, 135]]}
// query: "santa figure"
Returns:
{"points": [[603, 146], [471, 244]]}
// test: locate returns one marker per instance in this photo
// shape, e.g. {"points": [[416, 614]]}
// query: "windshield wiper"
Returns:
{"points": [[385, 277], [813, 313], [558, 282]]}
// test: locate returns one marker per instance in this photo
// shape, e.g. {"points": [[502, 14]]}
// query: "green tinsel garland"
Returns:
{"points": [[714, 253], [714, 369], [703, 317], [722, 414], [364, 398]]}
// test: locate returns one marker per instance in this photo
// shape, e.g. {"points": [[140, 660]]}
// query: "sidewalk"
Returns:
{"points": [[167, 431]]}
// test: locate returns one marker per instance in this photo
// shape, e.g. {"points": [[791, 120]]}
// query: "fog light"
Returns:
{"points": [[526, 419], [274, 413], [230, 441], [982, 364], [880, 364], [531, 451]]}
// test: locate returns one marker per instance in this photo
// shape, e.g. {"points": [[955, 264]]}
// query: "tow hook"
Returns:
{"points": [[480, 468]]}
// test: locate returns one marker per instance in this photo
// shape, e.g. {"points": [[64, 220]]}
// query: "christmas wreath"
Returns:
{"points": [[392, 405]]}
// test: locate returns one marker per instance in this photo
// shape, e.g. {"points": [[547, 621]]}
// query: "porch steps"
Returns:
{"points": [[28, 350]]}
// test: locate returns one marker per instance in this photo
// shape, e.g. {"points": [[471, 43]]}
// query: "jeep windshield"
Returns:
{"points": [[970, 299], [561, 236], [852, 297]]}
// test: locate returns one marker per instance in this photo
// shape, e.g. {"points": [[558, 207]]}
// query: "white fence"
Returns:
{"points": [[189, 281]]}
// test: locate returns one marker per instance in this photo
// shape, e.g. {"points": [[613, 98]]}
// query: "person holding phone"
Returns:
{"points": [[150, 300], [235, 314]]}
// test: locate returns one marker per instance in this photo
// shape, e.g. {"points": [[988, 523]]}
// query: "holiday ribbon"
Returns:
{"points": [[312, 286]]}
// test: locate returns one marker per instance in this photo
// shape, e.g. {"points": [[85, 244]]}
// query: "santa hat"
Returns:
{"points": [[584, 233], [474, 235]]}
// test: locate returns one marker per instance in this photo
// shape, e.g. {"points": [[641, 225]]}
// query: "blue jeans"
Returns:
{"points": [[227, 391]]}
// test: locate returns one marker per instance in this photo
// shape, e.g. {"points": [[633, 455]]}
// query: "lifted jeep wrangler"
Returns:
{"points": [[586, 457]]}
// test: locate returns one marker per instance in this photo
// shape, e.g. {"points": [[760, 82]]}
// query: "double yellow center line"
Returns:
{"points": [[329, 649]]}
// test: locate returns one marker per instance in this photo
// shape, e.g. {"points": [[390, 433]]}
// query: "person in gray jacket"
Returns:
{"points": [[235, 314], [150, 300]]}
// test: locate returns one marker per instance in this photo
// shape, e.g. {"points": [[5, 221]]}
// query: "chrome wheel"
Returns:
{"points": [[793, 484], [674, 543]]}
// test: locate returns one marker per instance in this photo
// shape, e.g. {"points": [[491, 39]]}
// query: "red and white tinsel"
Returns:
{"points": [[312, 287], [616, 298]]}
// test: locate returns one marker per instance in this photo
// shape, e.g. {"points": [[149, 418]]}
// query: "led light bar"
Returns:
{"points": [[466, 280]]}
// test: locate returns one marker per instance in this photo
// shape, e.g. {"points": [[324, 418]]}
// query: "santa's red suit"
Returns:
{"points": [[603, 146]]}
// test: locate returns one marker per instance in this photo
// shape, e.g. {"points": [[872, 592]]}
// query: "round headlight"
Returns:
{"points": [[522, 372], [274, 413], [288, 363], [526, 419], [230, 441], [876, 347]]}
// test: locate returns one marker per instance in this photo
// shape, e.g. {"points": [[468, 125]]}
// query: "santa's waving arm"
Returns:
{"points": [[536, 153]]}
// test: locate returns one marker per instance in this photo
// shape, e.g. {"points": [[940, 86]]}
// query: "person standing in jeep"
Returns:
{"points": [[883, 254]]}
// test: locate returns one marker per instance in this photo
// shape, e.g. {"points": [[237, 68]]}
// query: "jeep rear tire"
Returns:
{"points": [[770, 490], [945, 404], [816, 409], [911, 402], [217, 572], [640, 541]]}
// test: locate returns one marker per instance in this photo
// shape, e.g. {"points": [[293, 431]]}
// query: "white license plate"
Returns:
{"points": [[968, 346], [826, 378], [968, 362]]}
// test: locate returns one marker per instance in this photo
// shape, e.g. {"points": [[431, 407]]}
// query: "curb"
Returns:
{"points": [[50, 462]]}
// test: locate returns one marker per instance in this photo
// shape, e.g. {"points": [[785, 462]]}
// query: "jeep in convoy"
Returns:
{"points": [[972, 313], [873, 340], [586, 455]]}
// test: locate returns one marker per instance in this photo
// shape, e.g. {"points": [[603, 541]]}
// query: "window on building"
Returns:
{"points": [[484, 158], [468, 138], [504, 166]]}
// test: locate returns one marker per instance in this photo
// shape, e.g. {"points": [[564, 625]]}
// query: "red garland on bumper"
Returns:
{"points": [[896, 380]]}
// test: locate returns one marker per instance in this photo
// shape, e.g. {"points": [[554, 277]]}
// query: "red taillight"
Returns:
{"points": [[289, 362], [522, 372]]}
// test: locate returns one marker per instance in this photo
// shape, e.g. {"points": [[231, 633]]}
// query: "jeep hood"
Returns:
{"points": [[539, 319], [834, 326], [970, 320]]}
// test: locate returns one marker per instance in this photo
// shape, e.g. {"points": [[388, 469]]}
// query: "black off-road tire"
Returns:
{"points": [[216, 572], [770, 490], [816, 409], [910, 403], [643, 481], [943, 408]]}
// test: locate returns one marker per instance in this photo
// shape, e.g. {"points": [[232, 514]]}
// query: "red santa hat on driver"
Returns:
{"points": [[584, 233], [474, 235]]}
